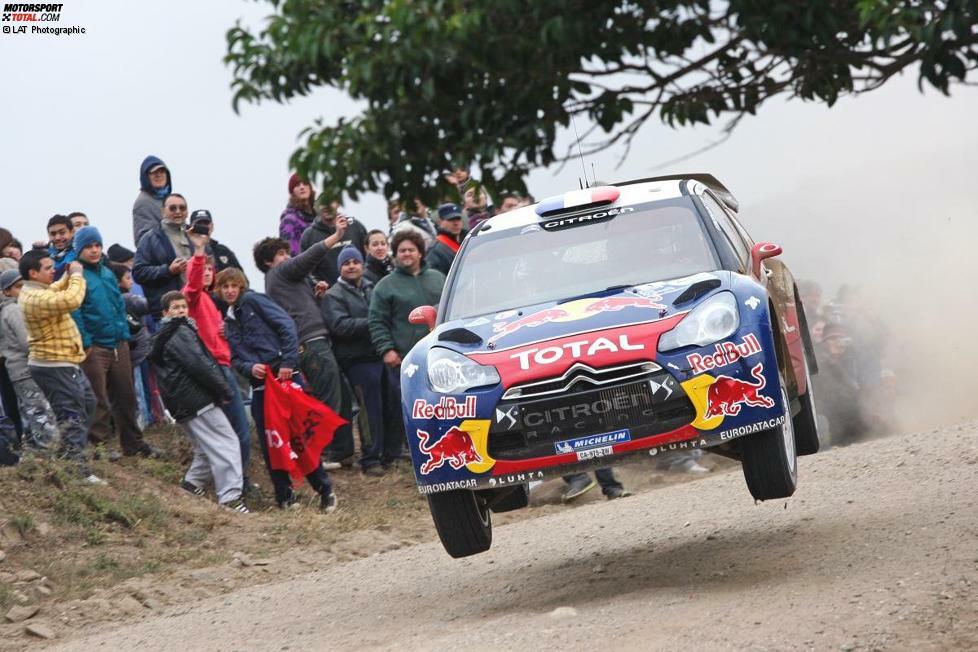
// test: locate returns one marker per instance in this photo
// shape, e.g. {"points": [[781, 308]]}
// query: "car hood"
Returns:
{"points": [[636, 304]]}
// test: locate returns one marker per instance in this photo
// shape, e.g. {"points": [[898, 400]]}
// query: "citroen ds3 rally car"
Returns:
{"points": [[634, 318]]}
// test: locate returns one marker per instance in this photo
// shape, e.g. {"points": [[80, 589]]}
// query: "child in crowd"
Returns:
{"points": [[41, 427], [193, 389], [261, 333]]}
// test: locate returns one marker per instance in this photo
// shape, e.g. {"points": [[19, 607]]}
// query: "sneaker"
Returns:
{"points": [[617, 492], [578, 486], [328, 503], [375, 471], [237, 506], [192, 488], [149, 452], [94, 480], [331, 466], [290, 504]]}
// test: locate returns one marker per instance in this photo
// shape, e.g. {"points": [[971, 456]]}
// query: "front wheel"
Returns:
{"points": [[769, 460], [463, 522]]}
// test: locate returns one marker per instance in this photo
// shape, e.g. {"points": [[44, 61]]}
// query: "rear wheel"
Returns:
{"points": [[769, 460], [463, 522], [806, 421]]}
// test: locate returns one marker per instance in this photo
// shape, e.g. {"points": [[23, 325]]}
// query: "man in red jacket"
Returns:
{"points": [[210, 328], [450, 236]]}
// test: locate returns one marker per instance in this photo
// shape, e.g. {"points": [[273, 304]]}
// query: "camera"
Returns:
{"points": [[200, 228]]}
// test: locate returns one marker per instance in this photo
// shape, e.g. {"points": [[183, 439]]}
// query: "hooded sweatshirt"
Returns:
{"points": [[149, 202], [13, 339]]}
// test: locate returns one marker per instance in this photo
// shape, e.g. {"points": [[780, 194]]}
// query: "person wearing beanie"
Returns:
{"points": [[155, 183], [449, 240], [323, 227], [40, 424], [345, 309], [298, 214], [104, 327]]}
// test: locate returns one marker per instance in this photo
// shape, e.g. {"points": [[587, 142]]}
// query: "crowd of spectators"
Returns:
{"points": [[100, 341]]}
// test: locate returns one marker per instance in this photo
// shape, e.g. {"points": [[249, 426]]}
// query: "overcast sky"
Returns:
{"points": [[81, 112]]}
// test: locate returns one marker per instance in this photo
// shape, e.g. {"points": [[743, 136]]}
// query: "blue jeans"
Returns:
{"points": [[393, 416], [235, 412], [73, 401]]}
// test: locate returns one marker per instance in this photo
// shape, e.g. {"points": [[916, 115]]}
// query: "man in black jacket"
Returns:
{"points": [[193, 388], [345, 310]]}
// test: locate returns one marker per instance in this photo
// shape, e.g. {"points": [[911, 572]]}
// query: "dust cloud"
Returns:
{"points": [[905, 234]]}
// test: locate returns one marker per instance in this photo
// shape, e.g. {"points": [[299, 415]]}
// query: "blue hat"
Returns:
{"points": [[85, 236], [347, 253], [449, 212]]}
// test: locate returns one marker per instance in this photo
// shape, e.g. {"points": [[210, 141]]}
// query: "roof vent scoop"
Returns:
{"points": [[696, 290], [578, 200], [460, 335]]}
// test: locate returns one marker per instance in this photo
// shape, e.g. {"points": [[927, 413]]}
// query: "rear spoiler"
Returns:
{"points": [[707, 180]]}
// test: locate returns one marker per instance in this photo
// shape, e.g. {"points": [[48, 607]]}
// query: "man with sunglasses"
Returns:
{"points": [[163, 253]]}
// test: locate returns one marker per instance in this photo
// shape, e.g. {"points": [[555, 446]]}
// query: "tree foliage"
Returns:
{"points": [[488, 82]]}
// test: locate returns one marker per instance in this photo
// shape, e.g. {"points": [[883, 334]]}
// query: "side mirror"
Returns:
{"points": [[424, 315], [760, 252]]}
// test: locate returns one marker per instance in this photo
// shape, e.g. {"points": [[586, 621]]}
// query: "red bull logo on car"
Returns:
{"points": [[575, 311], [724, 396], [464, 445], [455, 447], [447, 408]]}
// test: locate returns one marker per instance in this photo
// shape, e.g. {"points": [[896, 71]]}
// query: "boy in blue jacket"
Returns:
{"points": [[262, 334]]}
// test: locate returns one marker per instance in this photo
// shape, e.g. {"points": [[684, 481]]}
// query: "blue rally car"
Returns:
{"points": [[639, 317]]}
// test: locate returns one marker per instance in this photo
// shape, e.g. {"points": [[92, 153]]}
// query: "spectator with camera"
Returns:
{"points": [[163, 254], [288, 283], [323, 227]]}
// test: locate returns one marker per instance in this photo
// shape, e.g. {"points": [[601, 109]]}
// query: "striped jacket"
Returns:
{"points": [[52, 335]]}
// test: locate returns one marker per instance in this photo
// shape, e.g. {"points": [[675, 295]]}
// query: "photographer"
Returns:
{"points": [[163, 253], [323, 227]]}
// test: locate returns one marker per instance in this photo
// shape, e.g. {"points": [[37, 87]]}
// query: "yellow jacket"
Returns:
{"points": [[52, 335]]}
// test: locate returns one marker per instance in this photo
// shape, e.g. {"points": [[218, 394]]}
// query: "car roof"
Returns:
{"points": [[637, 191], [631, 194]]}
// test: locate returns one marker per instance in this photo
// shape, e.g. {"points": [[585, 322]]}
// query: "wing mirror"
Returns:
{"points": [[760, 252], [426, 315]]}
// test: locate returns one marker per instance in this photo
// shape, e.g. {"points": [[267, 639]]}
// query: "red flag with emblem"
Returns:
{"points": [[297, 427]]}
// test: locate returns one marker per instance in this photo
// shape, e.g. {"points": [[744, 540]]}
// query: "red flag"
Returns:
{"points": [[297, 427]]}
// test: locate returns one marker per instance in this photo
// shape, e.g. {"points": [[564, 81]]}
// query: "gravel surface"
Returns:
{"points": [[878, 549]]}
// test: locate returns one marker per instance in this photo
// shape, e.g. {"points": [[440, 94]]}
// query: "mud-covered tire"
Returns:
{"points": [[462, 520], [769, 460], [807, 439]]}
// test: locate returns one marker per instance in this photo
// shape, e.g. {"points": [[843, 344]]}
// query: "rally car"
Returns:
{"points": [[634, 318]]}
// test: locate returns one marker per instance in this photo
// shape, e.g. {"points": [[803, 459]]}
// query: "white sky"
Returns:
{"points": [[81, 112]]}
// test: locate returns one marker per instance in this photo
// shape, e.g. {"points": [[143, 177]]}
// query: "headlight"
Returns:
{"points": [[450, 372], [712, 320]]}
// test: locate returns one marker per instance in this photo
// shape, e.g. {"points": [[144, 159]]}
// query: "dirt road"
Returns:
{"points": [[877, 549]]}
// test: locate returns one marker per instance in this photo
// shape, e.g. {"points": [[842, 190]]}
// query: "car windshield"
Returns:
{"points": [[529, 265]]}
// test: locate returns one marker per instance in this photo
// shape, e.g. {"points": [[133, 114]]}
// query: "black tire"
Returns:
{"points": [[463, 522], [807, 440], [769, 460], [515, 498]]}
